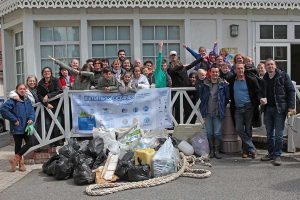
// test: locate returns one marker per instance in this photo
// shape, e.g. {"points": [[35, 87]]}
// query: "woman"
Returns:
{"points": [[127, 65], [116, 69], [48, 87], [20, 114], [31, 93]]}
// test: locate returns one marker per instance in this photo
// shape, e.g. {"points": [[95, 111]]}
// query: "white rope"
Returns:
{"points": [[185, 170]]}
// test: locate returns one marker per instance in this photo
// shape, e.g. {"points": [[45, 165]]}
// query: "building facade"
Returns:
{"points": [[32, 30]]}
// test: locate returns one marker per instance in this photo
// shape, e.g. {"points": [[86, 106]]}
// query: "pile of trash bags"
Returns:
{"points": [[122, 154], [77, 161]]}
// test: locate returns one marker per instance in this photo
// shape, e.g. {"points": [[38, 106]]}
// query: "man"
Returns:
{"points": [[214, 96], [280, 99], [245, 96], [122, 55]]}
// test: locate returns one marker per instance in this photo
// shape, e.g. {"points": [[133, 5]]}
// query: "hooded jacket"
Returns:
{"points": [[21, 111]]}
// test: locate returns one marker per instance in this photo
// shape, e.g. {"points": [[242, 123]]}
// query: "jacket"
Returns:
{"points": [[21, 111], [255, 94], [52, 90], [284, 91], [178, 73], [203, 89], [112, 83]]}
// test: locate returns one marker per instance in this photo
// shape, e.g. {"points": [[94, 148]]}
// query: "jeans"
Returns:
{"points": [[274, 123], [213, 127], [243, 126], [18, 138]]}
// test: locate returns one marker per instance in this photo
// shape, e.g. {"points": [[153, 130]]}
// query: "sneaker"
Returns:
{"points": [[266, 158], [277, 161]]}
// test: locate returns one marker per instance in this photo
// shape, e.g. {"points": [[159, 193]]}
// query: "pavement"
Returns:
{"points": [[232, 178]]}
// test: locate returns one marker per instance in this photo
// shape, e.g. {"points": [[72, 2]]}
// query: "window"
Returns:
{"points": [[297, 32], [59, 42], [19, 57], [152, 35], [273, 31], [278, 53], [108, 40]]}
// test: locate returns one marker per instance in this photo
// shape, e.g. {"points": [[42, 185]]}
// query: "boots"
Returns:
{"points": [[14, 161], [217, 149], [22, 167], [211, 148]]}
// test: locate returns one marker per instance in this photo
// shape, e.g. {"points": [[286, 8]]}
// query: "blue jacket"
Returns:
{"points": [[21, 111], [284, 91], [203, 90]]}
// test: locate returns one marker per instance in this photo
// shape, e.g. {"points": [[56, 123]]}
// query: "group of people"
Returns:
{"points": [[249, 90]]}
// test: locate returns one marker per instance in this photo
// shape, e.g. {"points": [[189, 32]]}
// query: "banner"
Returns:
{"points": [[151, 107]]}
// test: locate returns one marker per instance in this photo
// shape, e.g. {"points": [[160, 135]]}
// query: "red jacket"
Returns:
{"points": [[63, 82]]}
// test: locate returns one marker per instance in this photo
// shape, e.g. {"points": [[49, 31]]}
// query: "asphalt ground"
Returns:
{"points": [[232, 178]]}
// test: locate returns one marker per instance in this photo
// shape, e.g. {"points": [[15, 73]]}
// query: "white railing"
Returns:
{"points": [[44, 135]]}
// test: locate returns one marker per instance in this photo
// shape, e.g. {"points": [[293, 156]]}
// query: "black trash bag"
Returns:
{"points": [[51, 168], [46, 165], [74, 158], [83, 175], [63, 168], [66, 150], [139, 173], [100, 160], [79, 158], [86, 146], [123, 166], [73, 142]]}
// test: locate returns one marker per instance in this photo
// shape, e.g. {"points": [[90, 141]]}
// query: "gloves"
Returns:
{"points": [[29, 129]]}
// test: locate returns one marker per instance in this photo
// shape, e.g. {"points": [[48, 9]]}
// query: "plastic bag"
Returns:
{"points": [[200, 144], [109, 139], [147, 142], [131, 139], [63, 168], [124, 165], [138, 173], [164, 161], [47, 168], [83, 175], [66, 150], [101, 158]]}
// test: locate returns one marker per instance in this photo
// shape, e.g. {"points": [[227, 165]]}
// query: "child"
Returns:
{"points": [[126, 84], [139, 79], [64, 78], [107, 82]]}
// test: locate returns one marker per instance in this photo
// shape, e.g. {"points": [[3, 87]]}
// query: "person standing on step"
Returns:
{"points": [[214, 96], [279, 100], [20, 113]]}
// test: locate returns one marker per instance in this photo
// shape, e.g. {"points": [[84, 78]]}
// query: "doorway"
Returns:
{"points": [[295, 63]]}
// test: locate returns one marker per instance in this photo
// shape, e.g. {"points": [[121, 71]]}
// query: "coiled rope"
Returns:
{"points": [[185, 170]]}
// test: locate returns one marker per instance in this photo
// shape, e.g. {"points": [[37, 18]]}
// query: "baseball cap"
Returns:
{"points": [[173, 53]]}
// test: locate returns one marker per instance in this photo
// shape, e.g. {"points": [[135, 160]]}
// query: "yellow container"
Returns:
{"points": [[145, 155]]}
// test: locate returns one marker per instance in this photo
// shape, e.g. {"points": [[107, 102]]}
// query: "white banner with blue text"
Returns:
{"points": [[151, 107]]}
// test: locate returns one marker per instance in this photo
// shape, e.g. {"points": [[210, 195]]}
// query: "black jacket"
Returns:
{"points": [[255, 94], [51, 91], [284, 91], [179, 74]]}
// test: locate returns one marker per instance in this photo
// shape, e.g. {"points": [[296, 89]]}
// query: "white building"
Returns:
{"points": [[33, 29]]}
